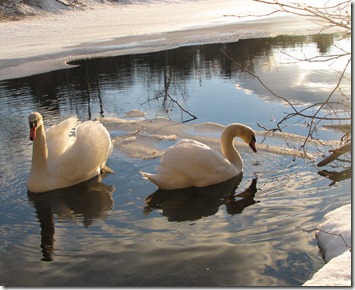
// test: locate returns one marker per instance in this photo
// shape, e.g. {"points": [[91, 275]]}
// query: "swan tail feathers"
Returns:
{"points": [[106, 169], [152, 177], [147, 176], [168, 180]]}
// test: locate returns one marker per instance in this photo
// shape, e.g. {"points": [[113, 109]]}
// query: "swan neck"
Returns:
{"points": [[39, 151], [228, 149]]}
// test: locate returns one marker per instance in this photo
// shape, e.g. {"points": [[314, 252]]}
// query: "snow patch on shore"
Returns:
{"points": [[334, 240], [335, 273], [334, 234]]}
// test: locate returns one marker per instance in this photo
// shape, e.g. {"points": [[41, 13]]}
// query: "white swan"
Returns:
{"points": [[190, 163], [60, 161]]}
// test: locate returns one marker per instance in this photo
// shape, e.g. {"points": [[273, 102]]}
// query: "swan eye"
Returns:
{"points": [[33, 124]]}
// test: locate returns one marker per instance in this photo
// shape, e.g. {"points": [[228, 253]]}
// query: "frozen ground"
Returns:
{"points": [[46, 42]]}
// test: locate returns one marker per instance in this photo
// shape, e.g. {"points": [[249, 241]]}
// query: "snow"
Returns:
{"points": [[48, 41], [334, 234], [335, 273], [334, 240]]}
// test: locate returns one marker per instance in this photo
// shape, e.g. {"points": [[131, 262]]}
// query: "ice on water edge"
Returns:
{"points": [[147, 138]]}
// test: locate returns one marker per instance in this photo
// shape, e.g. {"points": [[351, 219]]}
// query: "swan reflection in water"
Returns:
{"points": [[193, 203], [89, 200]]}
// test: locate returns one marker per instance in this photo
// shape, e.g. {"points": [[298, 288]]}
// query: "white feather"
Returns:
{"points": [[68, 160], [191, 163]]}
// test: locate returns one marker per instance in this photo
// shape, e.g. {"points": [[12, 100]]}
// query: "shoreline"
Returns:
{"points": [[41, 44]]}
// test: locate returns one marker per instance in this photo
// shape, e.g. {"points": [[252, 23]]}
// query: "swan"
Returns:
{"points": [[60, 161], [190, 163]]}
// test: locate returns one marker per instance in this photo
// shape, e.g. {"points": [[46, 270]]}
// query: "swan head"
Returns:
{"points": [[248, 136], [246, 133], [35, 121], [252, 143]]}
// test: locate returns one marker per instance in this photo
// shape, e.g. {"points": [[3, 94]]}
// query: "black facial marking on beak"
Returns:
{"points": [[33, 128], [252, 143]]}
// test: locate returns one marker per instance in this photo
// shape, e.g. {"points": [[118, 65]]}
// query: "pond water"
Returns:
{"points": [[118, 231]]}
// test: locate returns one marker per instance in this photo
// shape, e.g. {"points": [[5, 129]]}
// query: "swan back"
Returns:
{"points": [[58, 138], [191, 163], [90, 150]]}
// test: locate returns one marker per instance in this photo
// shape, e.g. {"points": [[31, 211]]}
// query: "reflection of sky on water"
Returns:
{"points": [[302, 82], [258, 247]]}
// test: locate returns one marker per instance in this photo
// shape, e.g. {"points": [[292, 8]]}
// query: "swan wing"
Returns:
{"points": [[58, 139], [191, 163], [86, 156]]}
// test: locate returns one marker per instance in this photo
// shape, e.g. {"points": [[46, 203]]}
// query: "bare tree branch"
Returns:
{"points": [[335, 153], [328, 16], [332, 19]]}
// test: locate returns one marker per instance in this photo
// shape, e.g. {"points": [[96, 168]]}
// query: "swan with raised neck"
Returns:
{"points": [[39, 148], [61, 161]]}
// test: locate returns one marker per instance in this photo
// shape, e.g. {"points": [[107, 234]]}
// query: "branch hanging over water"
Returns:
{"points": [[335, 153], [172, 100]]}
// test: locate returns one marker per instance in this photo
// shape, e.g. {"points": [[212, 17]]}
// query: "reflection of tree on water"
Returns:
{"points": [[336, 176], [88, 201], [193, 203], [81, 89], [167, 86], [343, 163]]}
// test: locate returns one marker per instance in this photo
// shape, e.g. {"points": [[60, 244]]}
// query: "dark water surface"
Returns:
{"points": [[120, 232]]}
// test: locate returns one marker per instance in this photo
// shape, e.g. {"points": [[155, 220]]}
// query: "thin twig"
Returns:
{"points": [[326, 232]]}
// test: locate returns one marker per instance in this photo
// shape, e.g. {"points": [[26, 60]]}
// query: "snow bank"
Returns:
{"points": [[47, 42], [335, 273], [334, 240], [334, 234]]}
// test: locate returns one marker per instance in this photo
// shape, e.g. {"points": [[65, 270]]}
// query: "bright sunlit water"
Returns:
{"points": [[109, 234]]}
